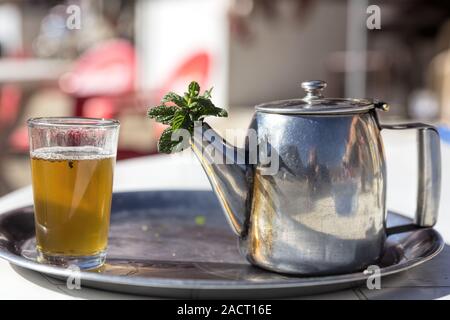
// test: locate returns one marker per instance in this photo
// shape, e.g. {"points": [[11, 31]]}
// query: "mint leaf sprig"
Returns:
{"points": [[181, 113]]}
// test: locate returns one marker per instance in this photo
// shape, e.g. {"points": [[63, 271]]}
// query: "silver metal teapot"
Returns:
{"points": [[323, 210]]}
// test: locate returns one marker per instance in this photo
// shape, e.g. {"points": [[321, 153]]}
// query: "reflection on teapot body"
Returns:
{"points": [[323, 211]]}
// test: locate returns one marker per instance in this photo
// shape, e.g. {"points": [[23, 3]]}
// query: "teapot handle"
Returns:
{"points": [[429, 184]]}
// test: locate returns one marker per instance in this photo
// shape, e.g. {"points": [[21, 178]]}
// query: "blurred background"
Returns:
{"points": [[115, 58]]}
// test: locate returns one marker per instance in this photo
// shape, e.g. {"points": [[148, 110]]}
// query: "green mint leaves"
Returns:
{"points": [[181, 113]]}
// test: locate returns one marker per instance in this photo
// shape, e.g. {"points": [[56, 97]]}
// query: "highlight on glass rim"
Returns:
{"points": [[222, 150]]}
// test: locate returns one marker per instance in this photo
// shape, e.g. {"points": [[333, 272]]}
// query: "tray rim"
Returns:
{"points": [[157, 282]]}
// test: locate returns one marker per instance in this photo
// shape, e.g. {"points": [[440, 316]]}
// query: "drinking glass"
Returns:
{"points": [[72, 164]]}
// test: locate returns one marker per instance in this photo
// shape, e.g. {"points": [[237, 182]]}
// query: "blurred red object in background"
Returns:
{"points": [[9, 104], [108, 69], [104, 72], [10, 99], [99, 107], [19, 139], [196, 67]]}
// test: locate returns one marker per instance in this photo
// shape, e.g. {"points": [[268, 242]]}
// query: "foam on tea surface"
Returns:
{"points": [[70, 153]]}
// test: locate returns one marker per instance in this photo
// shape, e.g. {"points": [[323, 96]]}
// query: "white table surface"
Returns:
{"points": [[428, 281]]}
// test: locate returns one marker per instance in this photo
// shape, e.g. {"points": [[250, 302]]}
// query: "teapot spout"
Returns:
{"points": [[227, 172]]}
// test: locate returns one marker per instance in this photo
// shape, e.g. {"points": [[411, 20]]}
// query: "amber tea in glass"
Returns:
{"points": [[72, 164]]}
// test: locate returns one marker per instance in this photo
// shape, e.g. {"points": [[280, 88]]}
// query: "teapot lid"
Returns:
{"points": [[315, 103]]}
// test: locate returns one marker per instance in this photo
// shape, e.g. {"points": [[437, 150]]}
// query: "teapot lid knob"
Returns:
{"points": [[314, 89]]}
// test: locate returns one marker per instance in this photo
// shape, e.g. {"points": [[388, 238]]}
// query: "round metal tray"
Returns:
{"points": [[178, 244]]}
